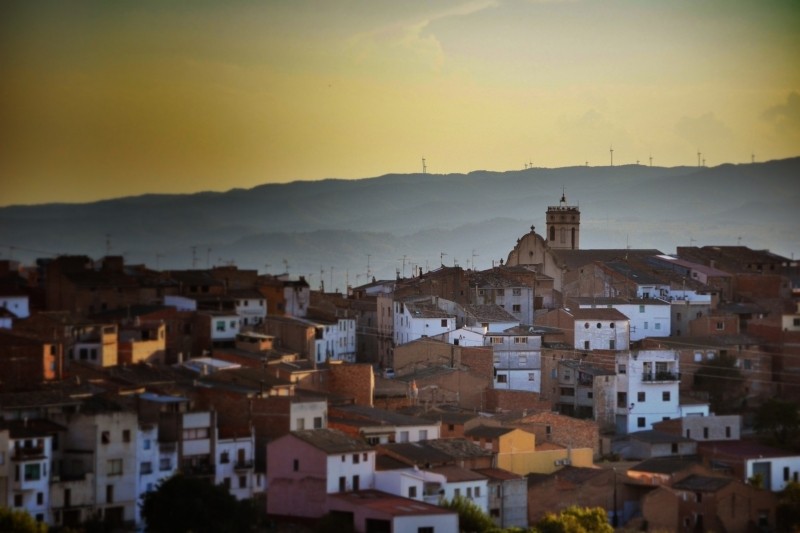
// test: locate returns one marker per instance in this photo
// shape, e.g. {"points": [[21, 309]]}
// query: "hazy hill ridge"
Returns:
{"points": [[338, 223]]}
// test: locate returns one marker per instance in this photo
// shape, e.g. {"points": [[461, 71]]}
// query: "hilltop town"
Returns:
{"points": [[660, 388]]}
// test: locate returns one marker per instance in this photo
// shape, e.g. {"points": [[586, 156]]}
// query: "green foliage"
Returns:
{"points": [[184, 504], [756, 480], [470, 517], [575, 519], [723, 382], [779, 420], [17, 521], [788, 511]]}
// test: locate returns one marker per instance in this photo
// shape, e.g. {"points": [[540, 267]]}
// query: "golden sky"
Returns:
{"points": [[107, 99]]}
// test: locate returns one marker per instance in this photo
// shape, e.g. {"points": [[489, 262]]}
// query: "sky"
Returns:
{"points": [[108, 99]]}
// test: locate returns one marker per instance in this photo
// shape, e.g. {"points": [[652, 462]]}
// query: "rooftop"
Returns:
{"points": [[331, 441]]}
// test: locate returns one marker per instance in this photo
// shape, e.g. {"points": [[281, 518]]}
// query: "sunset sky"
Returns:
{"points": [[107, 99]]}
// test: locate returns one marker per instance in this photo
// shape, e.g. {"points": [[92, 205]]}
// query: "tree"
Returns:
{"points": [[18, 521], [575, 519], [788, 511], [779, 420], [470, 517], [183, 504], [723, 382]]}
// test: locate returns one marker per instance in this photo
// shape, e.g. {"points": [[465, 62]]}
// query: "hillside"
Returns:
{"points": [[346, 223]]}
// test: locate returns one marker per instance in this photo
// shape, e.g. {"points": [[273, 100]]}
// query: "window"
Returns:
{"points": [[317, 422], [115, 467], [520, 340], [356, 483], [640, 422], [657, 325], [497, 340], [612, 325], [126, 435], [674, 448], [425, 529], [705, 433], [457, 492], [516, 292], [516, 308], [612, 344], [727, 431], [599, 325], [404, 436], [720, 326], [423, 434], [444, 322], [412, 491], [105, 437], [242, 482], [226, 482], [621, 369], [195, 433], [40, 496], [665, 395], [356, 459], [220, 325], [523, 360], [622, 399], [640, 396], [165, 464], [342, 484], [586, 325], [225, 457], [146, 444], [296, 465], [17, 500], [109, 493], [641, 309], [646, 325], [502, 378], [586, 345], [567, 391], [531, 376], [747, 364], [300, 423], [146, 467]]}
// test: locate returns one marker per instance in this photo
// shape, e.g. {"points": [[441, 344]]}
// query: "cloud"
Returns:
{"points": [[703, 130], [412, 38], [786, 117]]}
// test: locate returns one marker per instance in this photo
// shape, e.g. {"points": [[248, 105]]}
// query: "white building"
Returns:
{"points": [[647, 389], [16, 303], [250, 306], [235, 464], [508, 294], [649, 317], [26, 453], [101, 449], [415, 319], [601, 329], [517, 356]]}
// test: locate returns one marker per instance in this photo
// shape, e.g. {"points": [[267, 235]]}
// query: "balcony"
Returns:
{"points": [[167, 447], [243, 465], [661, 377], [199, 470], [28, 453]]}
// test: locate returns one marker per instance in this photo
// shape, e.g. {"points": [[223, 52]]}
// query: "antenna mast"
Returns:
{"points": [[611, 151], [424, 166]]}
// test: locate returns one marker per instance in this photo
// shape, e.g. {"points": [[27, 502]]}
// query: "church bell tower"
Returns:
{"points": [[563, 225]]}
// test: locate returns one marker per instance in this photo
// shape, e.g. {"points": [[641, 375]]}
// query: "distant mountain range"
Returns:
{"points": [[345, 225]]}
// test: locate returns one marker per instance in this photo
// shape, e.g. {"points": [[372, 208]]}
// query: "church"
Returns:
{"points": [[558, 253]]}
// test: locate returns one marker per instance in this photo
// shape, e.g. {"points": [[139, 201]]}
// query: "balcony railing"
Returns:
{"points": [[28, 454], [660, 377], [243, 465], [198, 470], [167, 447]]}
